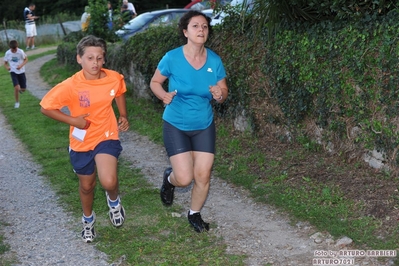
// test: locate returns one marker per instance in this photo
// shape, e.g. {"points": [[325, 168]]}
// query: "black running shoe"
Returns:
{"points": [[196, 221], [167, 189]]}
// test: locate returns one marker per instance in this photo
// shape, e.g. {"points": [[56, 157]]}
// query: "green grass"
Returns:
{"points": [[150, 235], [323, 204], [3, 249]]}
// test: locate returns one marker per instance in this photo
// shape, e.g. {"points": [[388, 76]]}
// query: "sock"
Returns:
{"points": [[113, 203], [192, 212], [169, 180], [88, 219]]}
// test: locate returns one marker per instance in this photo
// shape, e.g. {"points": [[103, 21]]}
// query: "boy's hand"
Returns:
{"points": [[81, 122], [123, 124]]}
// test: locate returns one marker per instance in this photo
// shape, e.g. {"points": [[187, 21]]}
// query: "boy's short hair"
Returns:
{"points": [[13, 44], [90, 40]]}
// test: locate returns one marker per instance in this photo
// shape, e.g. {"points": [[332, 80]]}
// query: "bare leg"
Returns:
{"points": [[16, 93], [28, 39], [87, 184], [193, 165], [202, 174], [107, 174], [183, 169]]}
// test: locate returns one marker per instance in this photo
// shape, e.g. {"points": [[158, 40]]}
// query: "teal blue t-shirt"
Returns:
{"points": [[190, 109]]}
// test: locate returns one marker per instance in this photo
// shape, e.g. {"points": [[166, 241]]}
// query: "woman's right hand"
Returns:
{"points": [[168, 97]]}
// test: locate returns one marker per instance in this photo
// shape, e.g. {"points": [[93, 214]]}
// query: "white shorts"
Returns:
{"points": [[30, 30]]}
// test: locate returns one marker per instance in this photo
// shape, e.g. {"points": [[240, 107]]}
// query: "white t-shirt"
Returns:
{"points": [[14, 60], [130, 6], [84, 17]]}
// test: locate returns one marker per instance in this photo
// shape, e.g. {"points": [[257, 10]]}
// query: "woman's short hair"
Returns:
{"points": [[186, 18]]}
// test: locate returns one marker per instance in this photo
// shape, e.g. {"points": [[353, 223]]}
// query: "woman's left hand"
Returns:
{"points": [[123, 124], [216, 92]]}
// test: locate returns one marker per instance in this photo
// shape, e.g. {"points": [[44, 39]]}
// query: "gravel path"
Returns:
{"points": [[26, 202]]}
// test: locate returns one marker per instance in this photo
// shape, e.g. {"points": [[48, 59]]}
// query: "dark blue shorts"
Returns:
{"points": [[178, 141], [18, 79], [83, 163]]}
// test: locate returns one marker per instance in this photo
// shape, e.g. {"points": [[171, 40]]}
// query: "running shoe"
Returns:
{"points": [[116, 214], [167, 189], [88, 233], [196, 221]]}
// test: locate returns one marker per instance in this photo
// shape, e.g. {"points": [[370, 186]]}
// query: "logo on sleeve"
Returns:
{"points": [[112, 92]]}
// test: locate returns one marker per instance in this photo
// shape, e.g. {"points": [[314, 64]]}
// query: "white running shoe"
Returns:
{"points": [[116, 214], [16, 105], [88, 233]]}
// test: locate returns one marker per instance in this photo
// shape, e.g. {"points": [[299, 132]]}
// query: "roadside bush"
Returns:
{"points": [[66, 54], [99, 20]]}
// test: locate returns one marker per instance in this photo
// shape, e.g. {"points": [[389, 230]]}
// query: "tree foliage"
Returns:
{"points": [[13, 10], [273, 14]]}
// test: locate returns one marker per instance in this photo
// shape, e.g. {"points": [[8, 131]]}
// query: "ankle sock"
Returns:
{"points": [[113, 203], [192, 212], [88, 219]]}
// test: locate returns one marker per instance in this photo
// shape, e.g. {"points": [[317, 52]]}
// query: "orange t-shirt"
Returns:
{"points": [[95, 97]]}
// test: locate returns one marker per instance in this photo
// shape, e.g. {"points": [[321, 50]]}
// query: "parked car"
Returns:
{"points": [[150, 19], [205, 4], [246, 5]]}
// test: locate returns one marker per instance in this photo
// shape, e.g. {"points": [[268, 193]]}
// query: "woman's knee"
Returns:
{"points": [[202, 178], [182, 179]]}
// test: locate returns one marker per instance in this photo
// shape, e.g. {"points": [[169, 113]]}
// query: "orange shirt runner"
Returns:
{"points": [[95, 97]]}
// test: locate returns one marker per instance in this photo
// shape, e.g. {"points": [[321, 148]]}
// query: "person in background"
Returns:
{"points": [[126, 15], [85, 19], [196, 78], [30, 26], [110, 15], [15, 60], [130, 7], [94, 145]]}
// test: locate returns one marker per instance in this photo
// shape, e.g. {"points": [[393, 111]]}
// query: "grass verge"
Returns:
{"points": [[3, 249], [150, 236]]}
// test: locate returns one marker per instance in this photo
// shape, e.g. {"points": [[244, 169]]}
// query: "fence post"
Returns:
{"points": [[62, 26], [5, 30]]}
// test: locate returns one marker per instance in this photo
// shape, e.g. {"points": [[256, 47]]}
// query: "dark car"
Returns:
{"points": [[150, 19]]}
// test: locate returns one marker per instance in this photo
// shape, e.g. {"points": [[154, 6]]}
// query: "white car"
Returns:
{"points": [[236, 4]]}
